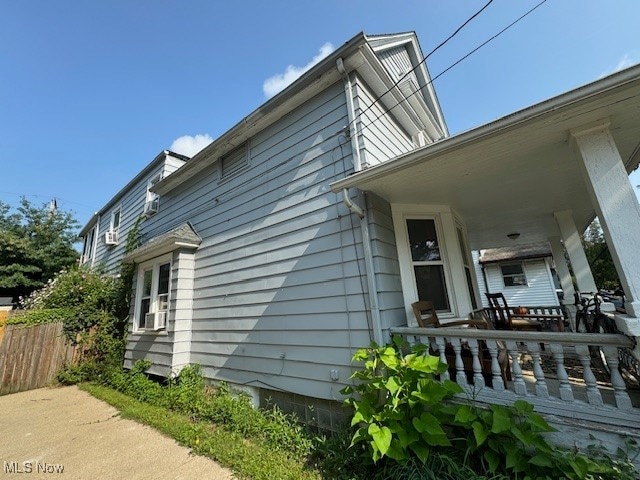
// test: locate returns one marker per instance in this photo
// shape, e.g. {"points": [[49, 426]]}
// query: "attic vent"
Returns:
{"points": [[234, 160]]}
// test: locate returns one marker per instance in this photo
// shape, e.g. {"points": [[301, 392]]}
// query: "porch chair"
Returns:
{"points": [[504, 319], [426, 316]]}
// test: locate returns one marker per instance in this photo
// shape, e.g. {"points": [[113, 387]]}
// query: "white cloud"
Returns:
{"points": [[280, 81], [190, 145], [626, 61]]}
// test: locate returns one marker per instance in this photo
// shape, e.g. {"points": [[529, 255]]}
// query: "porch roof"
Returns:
{"points": [[512, 174]]}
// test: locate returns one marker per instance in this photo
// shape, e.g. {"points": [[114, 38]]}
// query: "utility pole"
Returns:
{"points": [[53, 206]]}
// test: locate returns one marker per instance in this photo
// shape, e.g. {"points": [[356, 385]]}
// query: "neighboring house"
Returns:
{"points": [[525, 274], [308, 229], [6, 304]]}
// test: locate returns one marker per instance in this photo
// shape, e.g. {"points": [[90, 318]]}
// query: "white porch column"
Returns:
{"points": [[615, 203], [562, 269], [577, 257]]}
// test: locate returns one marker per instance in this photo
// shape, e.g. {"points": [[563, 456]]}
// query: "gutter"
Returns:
{"points": [[155, 163], [259, 118], [599, 87]]}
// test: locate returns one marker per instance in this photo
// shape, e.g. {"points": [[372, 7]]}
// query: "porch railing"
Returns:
{"points": [[554, 371]]}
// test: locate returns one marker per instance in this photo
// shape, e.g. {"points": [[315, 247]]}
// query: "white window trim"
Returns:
{"points": [[154, 264], [524, 273], [445, 229], [467, 263], [152, 196], [112, 228], [87, 257]]}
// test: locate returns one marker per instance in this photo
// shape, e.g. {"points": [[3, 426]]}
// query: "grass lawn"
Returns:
{"points": [[248, 459]]}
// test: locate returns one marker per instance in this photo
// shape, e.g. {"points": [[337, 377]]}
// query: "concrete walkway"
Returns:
{"points": [[66, 433]]}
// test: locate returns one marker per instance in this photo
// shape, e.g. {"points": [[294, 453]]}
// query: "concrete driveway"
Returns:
{"points": [[67, 433]]}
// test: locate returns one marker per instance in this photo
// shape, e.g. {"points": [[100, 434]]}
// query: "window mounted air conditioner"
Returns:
{"points": [[155, 321], [151, 207], [161, 320], [149, 321], [111, 238]]}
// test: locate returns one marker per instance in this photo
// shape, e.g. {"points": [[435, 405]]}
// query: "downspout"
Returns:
{"points": [[376, 323]]}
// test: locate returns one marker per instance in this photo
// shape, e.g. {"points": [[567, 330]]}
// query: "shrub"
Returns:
{"points": [[399, 404], [28, 318], [75, 287], [404, 416]]}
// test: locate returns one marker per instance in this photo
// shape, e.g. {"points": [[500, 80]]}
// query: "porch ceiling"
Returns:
{"points": [[512, 174]]}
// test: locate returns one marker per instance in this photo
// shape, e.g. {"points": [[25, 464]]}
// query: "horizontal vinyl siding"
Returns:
{"points": [[156, 347], [386, 264], [278, 300], [132, 206], [540, 289], [382, 138]]}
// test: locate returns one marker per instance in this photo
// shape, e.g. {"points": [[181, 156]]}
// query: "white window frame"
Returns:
{"points": [[503, 276], [468, 265], [155, 305], [88, 245], [152, 196], [445, 230], [112, 225]]}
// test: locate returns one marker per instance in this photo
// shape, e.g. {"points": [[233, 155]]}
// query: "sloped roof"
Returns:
{"points": [[158, 160], [357, 54], [518, 252], [183, 236]]}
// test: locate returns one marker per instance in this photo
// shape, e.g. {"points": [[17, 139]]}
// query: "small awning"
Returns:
{"points": [[182, 237], [520, 252]]}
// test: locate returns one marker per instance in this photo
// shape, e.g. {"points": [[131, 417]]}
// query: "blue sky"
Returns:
{"points": [[90, 92]]}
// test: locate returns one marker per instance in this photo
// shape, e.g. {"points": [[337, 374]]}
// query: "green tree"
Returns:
{"points": [[35, 243], [599, 257]]}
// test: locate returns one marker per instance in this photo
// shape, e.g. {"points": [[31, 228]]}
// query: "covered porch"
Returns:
{"points": [[541, 174]]}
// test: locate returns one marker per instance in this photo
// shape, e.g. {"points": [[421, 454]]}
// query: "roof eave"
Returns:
{"points": [[263, 116], [494, 128]]}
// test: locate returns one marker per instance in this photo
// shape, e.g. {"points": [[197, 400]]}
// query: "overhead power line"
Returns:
{"points": [[397, 82], [450, 66]]}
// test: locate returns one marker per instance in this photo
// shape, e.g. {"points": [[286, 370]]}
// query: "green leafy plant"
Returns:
{"points": [[28, 318], [399, 402], [405, 415]]}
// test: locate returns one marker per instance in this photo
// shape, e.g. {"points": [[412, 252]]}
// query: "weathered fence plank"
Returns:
{"points": [[30, 357]]}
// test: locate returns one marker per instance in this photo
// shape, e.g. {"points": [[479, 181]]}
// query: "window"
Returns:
{"points": [[427, 262], [115, 221], [513, 275], [152, 304], [87, 248], [152, 202], [467, 264]]}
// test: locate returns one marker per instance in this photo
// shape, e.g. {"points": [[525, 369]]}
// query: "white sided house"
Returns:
{"points": [[309, 228], [525, 274]]}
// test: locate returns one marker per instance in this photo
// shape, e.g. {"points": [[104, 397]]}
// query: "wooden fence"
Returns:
{"points": [[30, 357]]}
